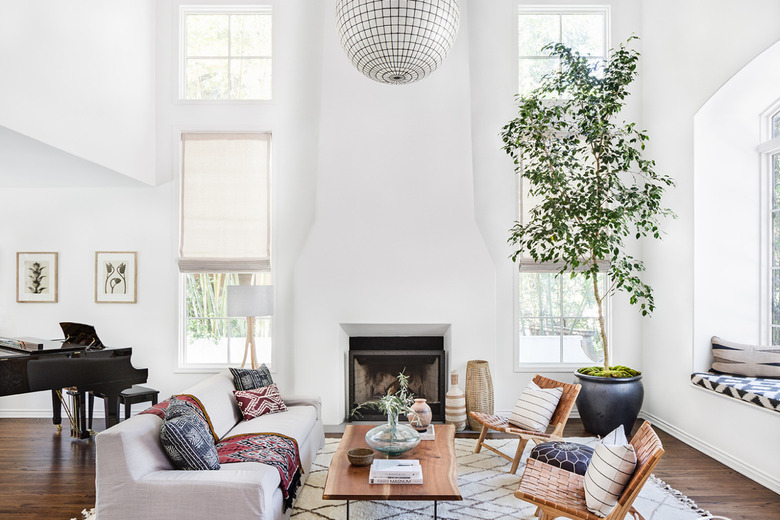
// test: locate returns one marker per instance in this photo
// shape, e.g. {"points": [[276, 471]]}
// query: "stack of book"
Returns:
{"points": [[388, 471]]}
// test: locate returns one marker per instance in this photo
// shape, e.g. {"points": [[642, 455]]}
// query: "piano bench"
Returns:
{"points": [[136, 394], [127, 397]]}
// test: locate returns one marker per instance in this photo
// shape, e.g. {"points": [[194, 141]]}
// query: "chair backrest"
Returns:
{"points": [[569, 396], [649, 450]]}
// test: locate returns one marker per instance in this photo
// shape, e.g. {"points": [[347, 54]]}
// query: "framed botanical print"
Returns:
{"points": [[115, 276], [36, 277]]}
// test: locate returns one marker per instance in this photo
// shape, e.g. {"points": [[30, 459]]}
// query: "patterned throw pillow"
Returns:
{"points": [[740, 359], [178, 407], [610, 469], [260, 401], [535, 407], [249, 379], [187, 440]]}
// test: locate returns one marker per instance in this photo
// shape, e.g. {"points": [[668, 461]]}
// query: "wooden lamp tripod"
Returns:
{"points": [[250, 301]]}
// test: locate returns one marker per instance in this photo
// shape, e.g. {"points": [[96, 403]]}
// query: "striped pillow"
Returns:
{"points": [[535, 407], [745, 360], [609, 471]]}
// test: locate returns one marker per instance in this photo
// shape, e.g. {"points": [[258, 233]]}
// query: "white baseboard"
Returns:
{"points": [[765, 479], [41, 413]]}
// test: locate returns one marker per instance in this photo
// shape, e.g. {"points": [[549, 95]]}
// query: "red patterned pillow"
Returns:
{"points": [[260, 401]]}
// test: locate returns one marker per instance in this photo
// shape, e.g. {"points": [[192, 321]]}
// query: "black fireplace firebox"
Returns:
{"points": [[375, 362]]}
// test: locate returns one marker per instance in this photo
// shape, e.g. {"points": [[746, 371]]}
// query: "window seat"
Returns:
{"points": [[761, 391]]}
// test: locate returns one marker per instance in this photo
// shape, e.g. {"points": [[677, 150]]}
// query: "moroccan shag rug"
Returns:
{"points": [[485, 484]]}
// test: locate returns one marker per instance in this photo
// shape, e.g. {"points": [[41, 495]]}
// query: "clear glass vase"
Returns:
{"points": [[392, 438]]}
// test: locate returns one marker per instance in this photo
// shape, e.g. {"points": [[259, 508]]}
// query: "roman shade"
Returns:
{"points": [[225, 203]]}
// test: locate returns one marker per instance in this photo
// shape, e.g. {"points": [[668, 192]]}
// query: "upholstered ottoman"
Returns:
{"points": [[570, 456]]}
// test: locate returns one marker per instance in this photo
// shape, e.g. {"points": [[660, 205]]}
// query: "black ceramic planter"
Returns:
{"points": [[606, 402]]}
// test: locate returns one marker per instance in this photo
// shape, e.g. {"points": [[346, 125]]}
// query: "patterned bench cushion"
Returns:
{"points": [[764, 392]]}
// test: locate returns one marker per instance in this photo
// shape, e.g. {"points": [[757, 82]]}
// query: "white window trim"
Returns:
{"points": [[766, 149], [180, 73], [518, 365], [176, 136]]}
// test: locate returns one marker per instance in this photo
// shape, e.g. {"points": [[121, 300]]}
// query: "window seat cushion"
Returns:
{"points": [[761, 391]]}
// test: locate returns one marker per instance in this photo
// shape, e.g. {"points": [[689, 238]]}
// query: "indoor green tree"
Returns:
{"points": [[585, 166]]}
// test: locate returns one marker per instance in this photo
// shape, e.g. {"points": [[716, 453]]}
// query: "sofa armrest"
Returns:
{"points": [[304, 400]]}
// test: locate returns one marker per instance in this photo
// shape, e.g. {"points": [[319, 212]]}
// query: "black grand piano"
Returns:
{"points": [[80, 361]]}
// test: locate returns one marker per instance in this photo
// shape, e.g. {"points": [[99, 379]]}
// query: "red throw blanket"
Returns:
{"points": [[272, 449]]}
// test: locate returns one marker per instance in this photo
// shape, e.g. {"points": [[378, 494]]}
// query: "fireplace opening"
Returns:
{"points": [[375, 362]]}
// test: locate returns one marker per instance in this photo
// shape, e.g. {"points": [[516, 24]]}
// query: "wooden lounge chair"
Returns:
{"points": [[560, 493], [557, 422]]}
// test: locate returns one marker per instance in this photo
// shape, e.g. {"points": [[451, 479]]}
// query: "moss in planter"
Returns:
{"points": [[615, 371]]}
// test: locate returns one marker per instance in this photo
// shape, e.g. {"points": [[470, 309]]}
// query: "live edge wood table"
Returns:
{"points": [[437, 458]]}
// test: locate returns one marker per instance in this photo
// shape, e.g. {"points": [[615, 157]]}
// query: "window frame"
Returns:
{"points": [[560, 10], [767, 150], [180, 88], [561, 367], [182, 367]]}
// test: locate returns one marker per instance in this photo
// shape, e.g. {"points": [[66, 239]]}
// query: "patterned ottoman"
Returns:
{"points": [[565, 455]]}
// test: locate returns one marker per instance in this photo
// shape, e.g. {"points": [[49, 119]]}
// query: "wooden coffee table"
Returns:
{"points": [[437, 458]]}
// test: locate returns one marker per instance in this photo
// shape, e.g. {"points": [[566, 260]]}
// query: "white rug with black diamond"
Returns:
{"points": [[486, 486]]}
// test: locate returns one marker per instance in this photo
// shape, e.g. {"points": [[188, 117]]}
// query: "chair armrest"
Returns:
{"points": [[304, 400]]}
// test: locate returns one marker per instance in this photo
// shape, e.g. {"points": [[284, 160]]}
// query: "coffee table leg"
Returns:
{"points": [[435, 504], [347, 509]]}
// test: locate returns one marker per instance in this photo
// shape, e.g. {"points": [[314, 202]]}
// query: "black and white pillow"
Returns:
{"points": [[535, 407], [610, 469], [741, 359], [249, 379], [187, 441]]}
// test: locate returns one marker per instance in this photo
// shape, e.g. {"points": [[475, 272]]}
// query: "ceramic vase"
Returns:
{"points": [[455, 404], [420, 416], [479, 391]]}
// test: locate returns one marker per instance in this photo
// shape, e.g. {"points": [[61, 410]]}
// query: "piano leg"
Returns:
{"points": [[56, 407], [83, 430], [111, 405]]}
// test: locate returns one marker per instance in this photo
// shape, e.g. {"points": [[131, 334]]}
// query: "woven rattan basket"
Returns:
{"points": [[479, 390]]}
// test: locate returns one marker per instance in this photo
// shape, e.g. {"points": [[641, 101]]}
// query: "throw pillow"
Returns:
{"points": [[187, 441], [610, 469], [535, 407], [249, 379], [745, 360], [615, 437], [260, 401]]}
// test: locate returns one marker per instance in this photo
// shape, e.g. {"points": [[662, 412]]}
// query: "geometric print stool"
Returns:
{"points": [[569, 456]]}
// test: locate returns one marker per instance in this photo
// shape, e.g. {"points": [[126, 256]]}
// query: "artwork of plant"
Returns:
{"points": [[36, 275], [115, 281]]}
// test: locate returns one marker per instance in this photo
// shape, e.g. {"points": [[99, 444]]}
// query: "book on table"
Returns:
{"points": [[388, 471]]}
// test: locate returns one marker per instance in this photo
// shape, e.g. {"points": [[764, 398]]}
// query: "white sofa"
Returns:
{"points": [[135, 479]]}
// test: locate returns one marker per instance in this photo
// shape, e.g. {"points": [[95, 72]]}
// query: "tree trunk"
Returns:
{"points": [[601, 322]]}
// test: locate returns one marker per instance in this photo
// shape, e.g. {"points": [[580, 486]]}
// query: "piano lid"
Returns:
{"points": [[81, 334]]}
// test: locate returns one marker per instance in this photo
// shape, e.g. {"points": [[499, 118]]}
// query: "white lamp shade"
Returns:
{"points": [[250, 300]]}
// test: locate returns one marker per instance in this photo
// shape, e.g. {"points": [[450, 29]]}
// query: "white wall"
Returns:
{"points": [[690, 49], [392, 204], [79, 76]]}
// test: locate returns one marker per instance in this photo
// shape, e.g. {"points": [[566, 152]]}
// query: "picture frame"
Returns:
{"points": [[115, 276], [36, 277]]}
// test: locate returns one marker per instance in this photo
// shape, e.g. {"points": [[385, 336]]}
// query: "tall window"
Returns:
{"points": [[584, 29], [225, 239], [557, 316], [226, 53], [772, 151]]}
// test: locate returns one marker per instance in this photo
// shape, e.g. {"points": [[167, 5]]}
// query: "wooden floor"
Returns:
{"points": [[46, 475]]}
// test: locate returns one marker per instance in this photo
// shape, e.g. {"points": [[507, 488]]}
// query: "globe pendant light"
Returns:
{"points": [[397, 41]]}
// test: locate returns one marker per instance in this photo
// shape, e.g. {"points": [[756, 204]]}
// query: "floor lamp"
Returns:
{"points": [[250, 301]]}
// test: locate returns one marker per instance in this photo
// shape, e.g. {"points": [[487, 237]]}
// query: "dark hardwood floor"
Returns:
{"points": [[44, 474]]}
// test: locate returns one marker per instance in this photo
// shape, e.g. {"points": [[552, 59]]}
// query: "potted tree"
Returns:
{"points": [[596, 192]]}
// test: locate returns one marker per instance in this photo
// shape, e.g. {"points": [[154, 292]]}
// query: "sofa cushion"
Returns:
{"points": [[216, 396], [296, 422], [740, 359], [249, 379], [186, 438], [535, 407], [260, 401]]}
